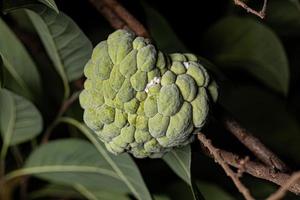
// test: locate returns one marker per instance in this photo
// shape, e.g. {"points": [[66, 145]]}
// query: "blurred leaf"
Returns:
{"points": [[195, 191], [123, 165], [179, 191], [54, 190], [98, 194], [162, 32], [212, 191], [179, 160], [245, 44], [1, 73], [66, 45], [161, 197], [22, 21], [284, 16], [21, 74], [71, 162], [10, 5], [51, 4], [63, 191], [266, 116], [20, 121]]}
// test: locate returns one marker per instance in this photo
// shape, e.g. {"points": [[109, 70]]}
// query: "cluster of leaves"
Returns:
{"points": [[253, 70]]}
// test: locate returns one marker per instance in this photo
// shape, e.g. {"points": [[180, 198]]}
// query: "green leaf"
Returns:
{"points": [[67, 46], [21, 74], [212, 191], [284, 17], [179, 160], [123, 165], [195, 191], [179, 191], [162, 32], [1, 73], [20, 121], [78, 191], [97, 194], [51, 4], [245, 44], [267, 116], [10, 5], [55, 190], [161, 197], [71, 162]]}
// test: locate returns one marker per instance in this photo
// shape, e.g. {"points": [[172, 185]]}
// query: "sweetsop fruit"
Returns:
{"points": [[139, 100]]}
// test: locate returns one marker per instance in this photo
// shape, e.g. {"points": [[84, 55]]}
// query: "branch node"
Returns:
{"points": [[215, 152]]}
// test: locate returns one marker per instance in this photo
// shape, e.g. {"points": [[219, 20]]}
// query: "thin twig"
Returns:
{"points": [[218, 158], [119, 17], [132, 22], [254, 144], [64, 107], [279, 194], [261, 13], [259, 170]]}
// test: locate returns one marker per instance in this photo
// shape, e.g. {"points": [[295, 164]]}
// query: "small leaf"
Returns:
{"points": [[20, 121], [51, 4], [245, 44], [73, 192], [70, 162], [67, 46], [21, 75], [10, 5], [179, 160], [162, 32], [123, 165]]}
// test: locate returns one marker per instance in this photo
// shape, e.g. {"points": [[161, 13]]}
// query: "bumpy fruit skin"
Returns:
{"points": [[140, 100]]}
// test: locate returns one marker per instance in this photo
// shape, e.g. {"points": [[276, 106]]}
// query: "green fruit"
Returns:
{"points": [[139, 100]]}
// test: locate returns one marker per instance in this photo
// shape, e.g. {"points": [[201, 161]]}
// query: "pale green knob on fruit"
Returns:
{"points": [[139, 100]]}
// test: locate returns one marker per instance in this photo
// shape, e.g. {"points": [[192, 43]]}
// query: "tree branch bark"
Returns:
{"points": [[119, 17], [261, 13], [219, 159], [263, 153], [258, 170], [279, 194]]}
